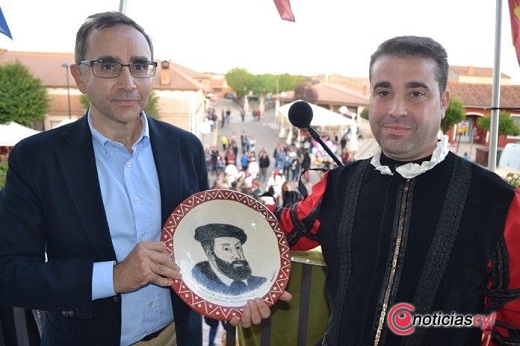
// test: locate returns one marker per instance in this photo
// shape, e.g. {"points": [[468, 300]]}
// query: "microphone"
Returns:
{"points": [[300, 116]]}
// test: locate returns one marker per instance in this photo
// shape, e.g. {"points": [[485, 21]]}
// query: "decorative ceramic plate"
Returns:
{"points": [[230, 249]]}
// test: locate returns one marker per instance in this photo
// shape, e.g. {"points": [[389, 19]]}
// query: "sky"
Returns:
{"points": [[328, 36]]}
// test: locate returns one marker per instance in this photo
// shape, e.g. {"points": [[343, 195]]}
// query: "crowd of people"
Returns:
{"points": [[235, 162], [238, 165]]}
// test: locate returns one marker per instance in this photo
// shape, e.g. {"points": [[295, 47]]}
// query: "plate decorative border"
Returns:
{"points": [[197, 302]]}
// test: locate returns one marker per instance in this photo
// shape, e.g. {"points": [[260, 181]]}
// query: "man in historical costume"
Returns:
{"points": [[414, 224]]}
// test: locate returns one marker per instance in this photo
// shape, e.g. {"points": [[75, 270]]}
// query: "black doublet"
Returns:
{"points": [[408, 240]]}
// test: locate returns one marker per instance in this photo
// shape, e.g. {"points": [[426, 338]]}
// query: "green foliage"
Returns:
{"points": [[261, 83], [3, 173], [83, 99], [241, 81], [23, 98], [455, 113], [513, 179], [269, 83], [506, 124], [289, 82], [151, 109]]}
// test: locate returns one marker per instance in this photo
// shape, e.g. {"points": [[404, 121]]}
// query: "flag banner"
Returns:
{"points": [[514, 12], [284, 9], [4, 29]]}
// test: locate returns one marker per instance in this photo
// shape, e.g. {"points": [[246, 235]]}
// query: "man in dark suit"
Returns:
{"points": [[227, 270], [83, 205], [82, 209]]}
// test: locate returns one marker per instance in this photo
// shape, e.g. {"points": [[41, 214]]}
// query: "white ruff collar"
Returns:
{"points": [[411, 170]]}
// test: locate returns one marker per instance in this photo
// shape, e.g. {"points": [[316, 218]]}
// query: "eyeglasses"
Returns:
{"points": [[111, 69]]}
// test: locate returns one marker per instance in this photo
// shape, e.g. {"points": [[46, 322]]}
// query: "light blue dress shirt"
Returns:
{"points": [[131, 196]]}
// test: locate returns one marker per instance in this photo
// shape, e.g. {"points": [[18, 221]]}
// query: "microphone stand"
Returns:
{"points": [[315, 135]]}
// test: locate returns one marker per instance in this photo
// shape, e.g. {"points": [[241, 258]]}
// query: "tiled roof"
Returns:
{"points": [[474, 71], [472, 95], [338, 94], [45, 66], [362, 85], [48, 67], [335, 89], [479, 95]]}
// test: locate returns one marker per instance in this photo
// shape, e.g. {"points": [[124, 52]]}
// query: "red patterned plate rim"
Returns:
{"points": [[266, 249]]}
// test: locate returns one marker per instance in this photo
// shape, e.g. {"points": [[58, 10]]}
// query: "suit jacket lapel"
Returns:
{"points": [[76, 157], [77, 160], [166, 153]]}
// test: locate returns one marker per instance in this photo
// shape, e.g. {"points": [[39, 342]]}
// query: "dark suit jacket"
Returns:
{"points": [[52, 203], [204, 274]]}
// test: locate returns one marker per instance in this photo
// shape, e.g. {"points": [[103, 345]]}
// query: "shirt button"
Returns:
{"points": [[137, 200], [129, 165]]}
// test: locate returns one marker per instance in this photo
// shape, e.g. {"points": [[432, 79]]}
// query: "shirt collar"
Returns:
{"points": [[101, 139], [411, 169]]}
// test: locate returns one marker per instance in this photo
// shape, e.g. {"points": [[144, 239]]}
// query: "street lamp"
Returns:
{"points": [[67, 66]]}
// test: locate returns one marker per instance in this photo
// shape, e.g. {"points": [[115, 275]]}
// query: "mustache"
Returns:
{"points": [[237, 269], [389, 121], [238, 263]]}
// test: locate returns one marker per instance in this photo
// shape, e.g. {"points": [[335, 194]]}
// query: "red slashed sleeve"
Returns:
{"points": [[300, 221], [506, 330]]}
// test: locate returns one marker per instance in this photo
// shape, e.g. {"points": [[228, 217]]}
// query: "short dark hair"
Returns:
{"points": [[206, 234], [100, 21], [415, 46]]}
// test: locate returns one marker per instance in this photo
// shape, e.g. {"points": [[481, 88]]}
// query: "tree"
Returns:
{"points": [[240, 80], [151, 109], [455, 113], [23, 97], [274, 84], [506, 124], [289, 82]]}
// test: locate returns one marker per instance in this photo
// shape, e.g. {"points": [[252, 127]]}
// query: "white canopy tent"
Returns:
{"points": [[320, 117], [12, 132]]}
